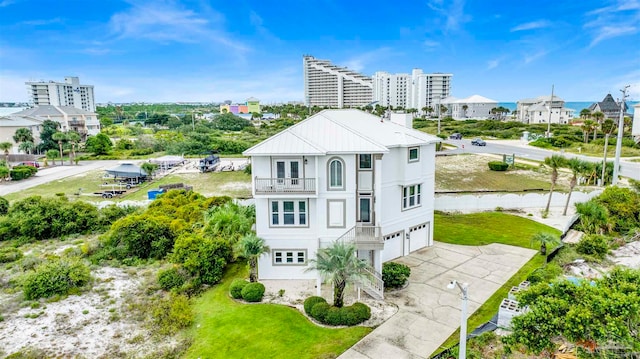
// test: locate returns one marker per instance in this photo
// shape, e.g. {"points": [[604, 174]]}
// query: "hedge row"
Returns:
{"points": [[498, 166]]}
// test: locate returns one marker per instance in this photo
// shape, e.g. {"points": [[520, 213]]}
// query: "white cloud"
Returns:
{"points": [[167, 22], [42, 22], [619, 19], [452, 12], [430, 44], [4, 3], [361, 61], [529, 58], [492, 64], [531, 25], [609, 32]]}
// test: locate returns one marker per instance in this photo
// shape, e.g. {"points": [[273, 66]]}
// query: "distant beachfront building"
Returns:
{"points": [[476, 106], [67, 93], [9, 123], [328, 85], [536, 110], [609, 107], [417, 90], [635, 128], [70, 118], [250, 106]]}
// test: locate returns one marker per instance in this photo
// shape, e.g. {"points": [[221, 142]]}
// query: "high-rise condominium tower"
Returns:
{"points": [[326, 84], [67, 93]]}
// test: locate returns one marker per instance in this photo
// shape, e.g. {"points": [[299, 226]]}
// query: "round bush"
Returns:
{"points": [[171, 278], [319, 311], [362, 311], [498, 166], [8, 255], [595, 245], [310, 302], [334, 316], [253, 292], [236, 287], [395, 275], [55, 277]]}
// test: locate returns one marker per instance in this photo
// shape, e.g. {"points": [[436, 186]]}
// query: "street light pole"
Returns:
{"points": [[462, 352], [616, 163]]}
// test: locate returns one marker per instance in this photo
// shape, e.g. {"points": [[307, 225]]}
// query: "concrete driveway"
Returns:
{"points": [[428, 312]]}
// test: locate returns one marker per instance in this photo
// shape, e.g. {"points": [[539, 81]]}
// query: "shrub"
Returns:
{"points": [[253, 292], [171, 313], [53, 277], [141, 236], [362, 311], [395, 275], [22, 172], [545, 274], [498, 166], [171, 278], [202, 257], [593, 244], [236, 287], [4, 206], [312, 301], [347, 315], [319, 311], [8, 255]]}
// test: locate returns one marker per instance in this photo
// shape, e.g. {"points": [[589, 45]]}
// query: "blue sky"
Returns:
{"points": [[155, 51]]}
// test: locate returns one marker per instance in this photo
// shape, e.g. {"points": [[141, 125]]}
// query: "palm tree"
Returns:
{"points": [[23, 135], [545, 239], [598, 117], [555, 162], [59, 137], [576, 166], [73, 137], [228, 221], [585, 113], [340, 265], [594, 217], [26, 147], [430, 110], [6, 146], [251, 247], [587, 126]]}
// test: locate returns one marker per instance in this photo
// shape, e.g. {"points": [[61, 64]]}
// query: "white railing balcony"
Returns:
{"points": [[371, 282], [364, 237], [285, 185]]}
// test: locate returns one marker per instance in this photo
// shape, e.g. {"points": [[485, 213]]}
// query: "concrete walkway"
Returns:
{"points": [[428, 312]]}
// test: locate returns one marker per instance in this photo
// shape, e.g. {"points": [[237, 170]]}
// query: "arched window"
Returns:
{"points": [[336, 174]]}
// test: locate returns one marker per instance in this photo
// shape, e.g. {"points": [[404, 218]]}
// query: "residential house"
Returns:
{"points": [[635, 125], [536, 110], [609, 107], [10, 123], [476, 106], [343, 175], [70, 118]]}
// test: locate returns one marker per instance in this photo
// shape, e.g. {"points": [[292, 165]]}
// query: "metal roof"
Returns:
{"points": [[18, 121], [340, 131], [50, 110]]}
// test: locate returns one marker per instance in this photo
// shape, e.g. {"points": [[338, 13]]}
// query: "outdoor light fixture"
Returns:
{"points": [[463, 321]]}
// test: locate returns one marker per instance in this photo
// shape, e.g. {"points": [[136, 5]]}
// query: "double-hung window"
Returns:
{"points": [[289, 213], [411, 196]]}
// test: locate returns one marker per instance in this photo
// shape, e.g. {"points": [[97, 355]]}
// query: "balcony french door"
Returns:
{"points": [[288, 169]]}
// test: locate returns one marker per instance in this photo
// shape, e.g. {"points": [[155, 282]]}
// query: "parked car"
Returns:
{"points": [[29, 163], [478, 142], [456, 136]]}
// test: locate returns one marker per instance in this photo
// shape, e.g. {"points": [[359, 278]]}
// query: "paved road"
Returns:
{"points": [[54, 173], [428, 313], [521, 150]]}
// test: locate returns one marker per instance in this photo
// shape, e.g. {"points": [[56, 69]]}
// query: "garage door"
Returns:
{"points": [[393, 246], [418, 236]]}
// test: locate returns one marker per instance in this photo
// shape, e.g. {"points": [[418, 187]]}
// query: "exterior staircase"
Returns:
{"points": [[367, 237]]}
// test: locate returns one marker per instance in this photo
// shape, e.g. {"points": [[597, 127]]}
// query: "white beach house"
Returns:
{"points": [[343, 175]]}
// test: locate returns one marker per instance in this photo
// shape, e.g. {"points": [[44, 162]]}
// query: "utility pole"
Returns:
{"points": [[604, 158], [550, 107], [616, 163]]}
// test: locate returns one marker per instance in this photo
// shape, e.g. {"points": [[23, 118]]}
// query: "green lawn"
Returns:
{"points": [[485, 228], [226, 329]]}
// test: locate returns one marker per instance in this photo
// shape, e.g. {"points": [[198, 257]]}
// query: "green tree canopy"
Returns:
{"points": [[230, 122], [99, 144], [48, 129]]}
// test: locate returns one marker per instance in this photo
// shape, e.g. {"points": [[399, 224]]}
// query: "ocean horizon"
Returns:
{"points": [[575, 105]]}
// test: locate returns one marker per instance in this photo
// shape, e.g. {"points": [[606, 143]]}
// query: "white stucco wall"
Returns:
{"points": [[484, 202]]}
